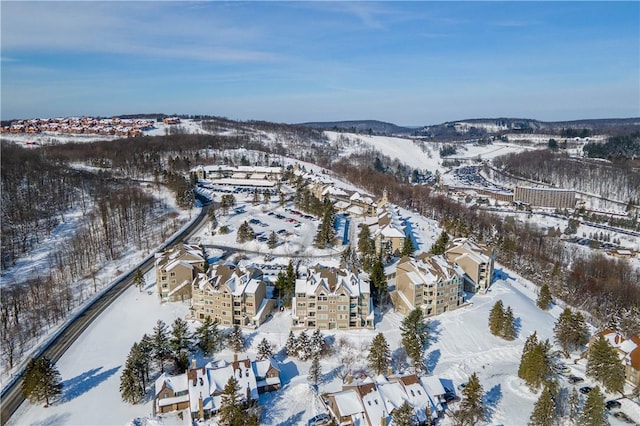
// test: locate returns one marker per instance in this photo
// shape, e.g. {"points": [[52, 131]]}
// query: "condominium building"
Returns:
{"points": [[332, 299], [430, 283], [176, 268], [232, 296], [545, 197], [476, 260]]}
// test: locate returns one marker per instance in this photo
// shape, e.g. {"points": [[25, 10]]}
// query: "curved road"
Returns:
{"points": [[12, 397]]}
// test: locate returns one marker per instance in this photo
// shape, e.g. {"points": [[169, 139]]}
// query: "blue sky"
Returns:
{"points": [[411, 63]]}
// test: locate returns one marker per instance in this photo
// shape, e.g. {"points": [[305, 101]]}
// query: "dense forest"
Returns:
{"points": [[617, 147]]}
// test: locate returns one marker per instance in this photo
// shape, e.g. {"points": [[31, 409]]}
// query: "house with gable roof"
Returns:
{"points": [[628, 350], [330, 299], [231, 295], [427, 282], [475, 259], [176, 268]]}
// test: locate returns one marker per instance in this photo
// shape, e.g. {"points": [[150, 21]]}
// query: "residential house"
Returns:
{"points": [[372, 402], [427, 282], [387, 228], [475, 259], [332, 299], [231, 295], [176, 268], [200, 389], [628, 350]]}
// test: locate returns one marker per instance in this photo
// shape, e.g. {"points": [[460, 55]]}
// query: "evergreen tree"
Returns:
{"points": [[291, 347], [403, 415], [180, 340], [593, 412], [604, 365], [41, 381], [441, 243], [317, 342], [544, 298], [496, 318], [534, 366], [136, 363], [138, 279], [273, 240], [366, 247], [161, 348], [236, 339], [472, 409], [213, 220], [315, 371], [574, 404], [414, 333], [407, 247], [379, 355], [508, 331], [208, 336], [379, 281], [304, 349], [130, 390], [571, 331], [264, 349], [544, 411], [231, 406], [146, 353]]}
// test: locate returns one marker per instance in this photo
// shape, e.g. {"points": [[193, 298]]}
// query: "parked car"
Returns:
{"points": [[575, 379], [613, 404], [321, 419], [585, 389]]}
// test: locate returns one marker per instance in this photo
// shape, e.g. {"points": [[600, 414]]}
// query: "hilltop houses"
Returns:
{"points": [[239, 176], [476, 260], [372, 402], [81, 125], [232, 296], [176, 269], [430, 283], [199, 389], [331, 299]]}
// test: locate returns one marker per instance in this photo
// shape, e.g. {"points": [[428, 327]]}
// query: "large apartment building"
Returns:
{"points": [[176, 268], [545, 197], [476, 260], [332, 299], [232, 296], [430, 283]]}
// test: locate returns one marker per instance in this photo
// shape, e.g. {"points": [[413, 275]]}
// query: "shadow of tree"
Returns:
{"points": [[331, 375], [296, 419], [491, 399], [434, 331], [517, 326], [56, 419], [432, 359], [73, 388], [288, 371]]}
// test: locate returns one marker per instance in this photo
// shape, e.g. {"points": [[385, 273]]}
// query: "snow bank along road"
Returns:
{"points": [[11, 396]]}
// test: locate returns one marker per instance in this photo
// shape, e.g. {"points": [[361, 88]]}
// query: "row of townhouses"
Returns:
{"points": [[199, 389], [324, 298], [372, 402], [81, 125]]}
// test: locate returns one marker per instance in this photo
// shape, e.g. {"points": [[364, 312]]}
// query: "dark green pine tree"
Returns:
{"points": [[407, 247], [574, 404], [208, 337], [41, 381], [264, 349], [544, 411], [403, 415], [236, 339], [315, 371], [593, 412], [161, 348], [273, 240], [441, 243], [604, 365], [231, 406], [180, 342], [130, 390], [472, 409], [146, 353], [570, 331], [544, 298], [414, 332], [508, 331], [534, 366], [496, 318], [138, 279], [379, 355], [291, 347], [379, 281], [317, 342], [303, 346]]}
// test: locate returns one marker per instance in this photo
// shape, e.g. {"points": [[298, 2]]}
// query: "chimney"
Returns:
{"points": [[349, 379], [235, 357], [389, 371], [383, 421], [200, 407], [193, 364]]}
